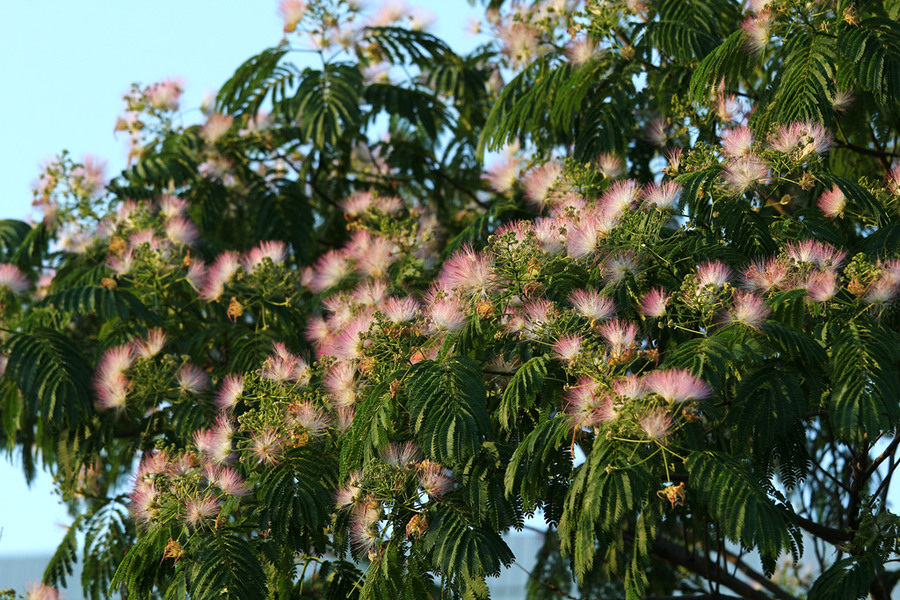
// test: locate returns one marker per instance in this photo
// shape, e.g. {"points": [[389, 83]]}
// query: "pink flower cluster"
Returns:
{"points": [[197, 490]]}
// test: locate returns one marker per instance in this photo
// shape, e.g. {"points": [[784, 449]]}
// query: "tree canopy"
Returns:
{"points": [[313, 347]]}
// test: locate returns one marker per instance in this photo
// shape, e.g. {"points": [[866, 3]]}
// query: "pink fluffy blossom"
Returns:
{"points": [[216, 126], [434, 479], [832, 202], [284, 366], [443, 312], [568, 347], [226, 479], [656, 423], [737, 142], [220, 273], [812, 251], [363, 527], [12, 278], [181, 231], [370, 292], [329, 270], [230, 390], [110, 383], [191, 379], [165, 94], [291, 12], [768, 275], [538, 316], [620, 196], [144, 498], [197, 510], [502, 174], [630, 386], [714, 273], [619, 334], [676, 385], [549, 234], [348, 493], [610, 165], [653, 303], [893, 179], [215, 442], [171, 206], [820, 286], [401, 310], [587, 406], [756, 30], [617, 267], [468, 272], [273, 250], [581, 50], [400, 455], [41, 591], [742, 173], [151, 345], [88, 177], [748, 309], [590, 304], [538, 182], [349, 343], [803, 138], [341, 384], [663, 195], [267, 446], [311, 418]]}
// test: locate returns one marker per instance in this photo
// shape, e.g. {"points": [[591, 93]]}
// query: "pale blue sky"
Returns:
{"points": [[64, 66]]}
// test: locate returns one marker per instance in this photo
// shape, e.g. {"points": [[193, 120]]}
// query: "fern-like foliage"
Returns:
{"points": [[541, 455], [770, 407], [416, 107], [603, 498], [225, 566], [52, 374], [873, 48], [107, 534], [865, 380], [297, 499], [447, 408], [523, 390], [142, 569], [371, 428], [327, 103], [12, 234], [804, 89], [740, 506], [847, 579], [255, 80], [727, 63], [401, 45], [463, 550], [106, 304]]}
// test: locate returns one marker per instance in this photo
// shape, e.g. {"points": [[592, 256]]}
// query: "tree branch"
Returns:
{"points": [[757, 577], [707, 569], [829, 534]]}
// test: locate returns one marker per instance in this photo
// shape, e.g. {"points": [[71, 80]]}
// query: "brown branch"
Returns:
{"points": [[707, 569], [829, 534], [546, 585], [888, 452], [757, 577], [867, 151]]}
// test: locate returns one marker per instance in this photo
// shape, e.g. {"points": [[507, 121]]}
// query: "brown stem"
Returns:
{"points": [[707, 569], [867, 151], [741, 566]]}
